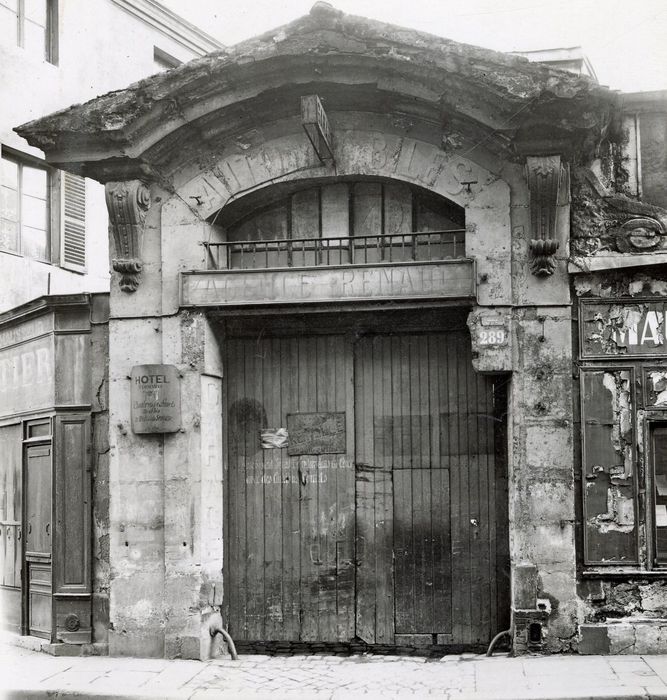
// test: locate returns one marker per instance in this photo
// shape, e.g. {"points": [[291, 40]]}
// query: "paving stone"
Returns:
{"points": [[329, 677]]}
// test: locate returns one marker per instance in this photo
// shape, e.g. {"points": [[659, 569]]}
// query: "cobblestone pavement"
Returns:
{"points": [[29, 674]]}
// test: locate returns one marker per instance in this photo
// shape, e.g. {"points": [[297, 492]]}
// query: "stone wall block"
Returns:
{"points": [[137, 620], [549, 445], [182, 237]]}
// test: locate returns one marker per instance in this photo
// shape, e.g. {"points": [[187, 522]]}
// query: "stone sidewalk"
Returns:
{"points": [[29, 674]]}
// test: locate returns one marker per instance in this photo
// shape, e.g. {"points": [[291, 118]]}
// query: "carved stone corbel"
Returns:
{"points": [[127, 203], [549, 186]]}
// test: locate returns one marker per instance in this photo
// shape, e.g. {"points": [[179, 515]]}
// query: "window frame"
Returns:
{"points": [[52, 205], [50, 53]]}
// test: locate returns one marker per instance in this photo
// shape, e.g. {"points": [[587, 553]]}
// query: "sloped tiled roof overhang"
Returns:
{"points": [[502, 102]]}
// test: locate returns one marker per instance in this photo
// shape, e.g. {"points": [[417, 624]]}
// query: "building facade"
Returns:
{"points": [[54, 275], [53, 54], [344, 361]]}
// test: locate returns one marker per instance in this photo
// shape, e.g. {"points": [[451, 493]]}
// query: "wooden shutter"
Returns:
{"points": [[73, 231]]}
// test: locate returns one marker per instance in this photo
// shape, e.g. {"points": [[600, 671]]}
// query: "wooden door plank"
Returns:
{"points": [[365, 554], [345, 555], [273, 563], [254, 463], [442, 562], [405, 411], [501, 574], [423, 405], [326, 349], [364, 493], [486, 526], [423, 550], [375, 604], [235, 566], [291, 496], [475, 408], [435, 350], [440, 513], [7, 555], [460, 518], [384, 507], [404, 552], [381, 403], [384, 567], [396, 399], [414, 401], [309, 523]]}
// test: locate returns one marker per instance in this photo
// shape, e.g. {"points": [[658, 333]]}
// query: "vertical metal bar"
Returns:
{"points": [[414, 246]]}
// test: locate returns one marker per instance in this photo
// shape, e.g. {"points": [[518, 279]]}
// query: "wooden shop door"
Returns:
{"points": [[38, 534]]}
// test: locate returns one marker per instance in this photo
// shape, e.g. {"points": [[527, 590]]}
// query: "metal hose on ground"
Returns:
{"points": [[227, 637], [509, 632]]}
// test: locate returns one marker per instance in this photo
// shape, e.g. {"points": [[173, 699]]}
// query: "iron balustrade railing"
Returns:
{"points": [[332, 252]]}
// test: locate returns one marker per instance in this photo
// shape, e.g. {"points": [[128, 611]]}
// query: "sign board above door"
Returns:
{"points": [[623, 328], [448, 279]]}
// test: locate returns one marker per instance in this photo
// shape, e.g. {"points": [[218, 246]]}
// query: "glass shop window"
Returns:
{"points": [[29, 24], [659, 445]]}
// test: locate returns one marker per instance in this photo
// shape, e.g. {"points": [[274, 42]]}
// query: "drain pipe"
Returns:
{"points": [[505, 633], [227, 637]]}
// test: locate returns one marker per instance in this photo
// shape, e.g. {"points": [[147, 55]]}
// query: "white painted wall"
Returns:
{"points": [[102, 47]]}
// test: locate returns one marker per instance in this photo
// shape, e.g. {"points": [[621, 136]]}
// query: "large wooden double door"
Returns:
{"points": [[382, 516]]}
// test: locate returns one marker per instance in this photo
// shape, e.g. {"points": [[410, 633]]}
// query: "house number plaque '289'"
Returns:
{"points": [[156, 399], [492, 336]]}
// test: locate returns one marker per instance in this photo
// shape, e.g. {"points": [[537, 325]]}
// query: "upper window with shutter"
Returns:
{"points": [[73, 222], [42, 211]]}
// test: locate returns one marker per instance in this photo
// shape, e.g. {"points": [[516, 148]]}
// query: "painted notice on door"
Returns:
{"points": [[316, 433], [156, 399]]}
